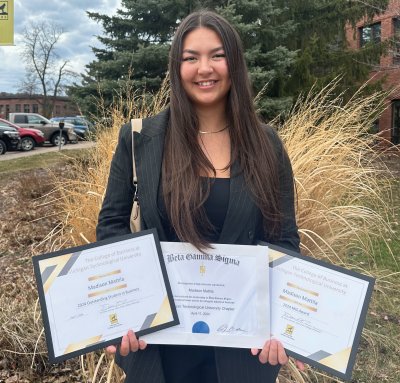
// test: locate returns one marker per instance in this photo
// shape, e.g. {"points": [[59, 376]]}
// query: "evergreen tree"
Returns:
{"points": [[135, 48], [264, 25], [136, 40], [323, 52], [289, 45]]}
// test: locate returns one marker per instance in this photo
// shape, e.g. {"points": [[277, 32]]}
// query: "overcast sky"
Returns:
{"points": [[76, 42]]}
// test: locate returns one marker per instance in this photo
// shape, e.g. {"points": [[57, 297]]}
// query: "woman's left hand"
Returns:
{"points": [[274, 353]]}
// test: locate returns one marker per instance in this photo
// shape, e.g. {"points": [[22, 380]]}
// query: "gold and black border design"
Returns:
{"points": [[340, 364], [48, 267]]}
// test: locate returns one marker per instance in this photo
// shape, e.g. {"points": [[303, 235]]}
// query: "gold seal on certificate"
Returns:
{"points": [[92, 295]]}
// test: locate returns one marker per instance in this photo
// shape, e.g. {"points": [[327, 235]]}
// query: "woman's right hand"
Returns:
{"points": [[129, 343]]}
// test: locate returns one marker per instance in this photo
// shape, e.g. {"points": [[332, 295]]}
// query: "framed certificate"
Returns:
{"points": [[92, 295], [221, 296], [318, 310]]}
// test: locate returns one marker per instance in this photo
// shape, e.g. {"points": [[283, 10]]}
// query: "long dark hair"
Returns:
{"points": [[184, 160]]}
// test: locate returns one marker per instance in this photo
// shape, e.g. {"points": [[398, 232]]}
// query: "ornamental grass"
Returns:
{"points": [[343, 188], [82, 195], [344, 206]]}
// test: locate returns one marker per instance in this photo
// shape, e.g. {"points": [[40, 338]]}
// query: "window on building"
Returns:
{"points": [[370, 34], [396, 39], [17, 108], [58, 110], [1, 109], [35, 108], [26, 108], [395, 133]]}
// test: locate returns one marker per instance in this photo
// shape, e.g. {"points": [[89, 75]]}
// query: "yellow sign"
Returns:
{"points": [[6, 22]]}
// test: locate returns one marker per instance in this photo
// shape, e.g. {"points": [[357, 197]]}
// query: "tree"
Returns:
{"points": [[264, 26], [289, 45], [320, 40], [138, 37], [44, 70]]}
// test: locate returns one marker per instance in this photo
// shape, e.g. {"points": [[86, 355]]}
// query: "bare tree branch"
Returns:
{"points": [[43, 66]]}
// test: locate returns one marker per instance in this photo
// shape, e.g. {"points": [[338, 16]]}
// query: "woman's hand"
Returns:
{"points": [[129, 343], [274, 353], [300, 365]]}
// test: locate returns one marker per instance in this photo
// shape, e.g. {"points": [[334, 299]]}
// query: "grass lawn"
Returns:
{"points": [[45, 160]]}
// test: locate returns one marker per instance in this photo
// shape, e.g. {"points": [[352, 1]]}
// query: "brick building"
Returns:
{"points": [[380, 28], [11, 103]]}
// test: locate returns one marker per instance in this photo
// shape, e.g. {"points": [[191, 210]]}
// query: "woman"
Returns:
{"points": [[208, 172]]}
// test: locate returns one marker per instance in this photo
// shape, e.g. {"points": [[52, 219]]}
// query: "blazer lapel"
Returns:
{"points": [[149, 146], [148, 158], [240, 207]]}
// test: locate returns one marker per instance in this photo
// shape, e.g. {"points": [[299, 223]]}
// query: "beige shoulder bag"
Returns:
{"points": [[136, 124]]}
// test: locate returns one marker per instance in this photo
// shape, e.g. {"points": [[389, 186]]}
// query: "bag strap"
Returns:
{"points": [[136, 125]]}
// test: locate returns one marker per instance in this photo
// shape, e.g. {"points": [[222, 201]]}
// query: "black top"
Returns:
{"points": [[216, 207], [243, 225], [182, 364]]}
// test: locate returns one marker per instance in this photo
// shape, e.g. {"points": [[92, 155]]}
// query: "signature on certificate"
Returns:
{"points": [[224, 328], [301, 321]]}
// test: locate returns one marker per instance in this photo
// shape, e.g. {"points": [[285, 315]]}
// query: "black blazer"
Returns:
{"points": [[243, 225]]}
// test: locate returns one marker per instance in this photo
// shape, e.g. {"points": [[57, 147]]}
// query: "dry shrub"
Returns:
{"points": [[82, 195], [19, 327], [343, 187], [77, 197], [31, 186], [342, 193], [80, 198]]}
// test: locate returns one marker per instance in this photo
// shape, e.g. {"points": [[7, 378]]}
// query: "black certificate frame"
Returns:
{"points": [[101, 344], [361, 320]]}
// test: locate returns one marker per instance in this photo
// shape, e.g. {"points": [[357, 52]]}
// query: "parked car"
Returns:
{"points": [[30, 138], [9, 139], [50, 129], [82, 127]]}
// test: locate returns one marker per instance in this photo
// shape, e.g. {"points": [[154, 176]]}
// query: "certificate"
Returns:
{"points": [[92, 295], [317, 310], [221, 296]]}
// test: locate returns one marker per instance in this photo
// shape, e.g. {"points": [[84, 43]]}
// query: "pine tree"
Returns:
{"points": [[136, 43], [320, 40], [289, 46], [138, 37]]}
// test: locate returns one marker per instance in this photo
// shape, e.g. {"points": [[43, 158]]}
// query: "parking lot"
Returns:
{"points": [[44, 149]]}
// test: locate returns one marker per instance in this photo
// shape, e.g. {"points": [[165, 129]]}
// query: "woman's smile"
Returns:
{"points": [[206, 84], [204, 68]]}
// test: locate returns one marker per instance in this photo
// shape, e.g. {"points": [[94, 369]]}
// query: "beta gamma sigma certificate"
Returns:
{"points": [[317, 310], [92, 295], [221, 296]]}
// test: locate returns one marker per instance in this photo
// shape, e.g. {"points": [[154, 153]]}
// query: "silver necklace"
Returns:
{"points": [[217, 131]]}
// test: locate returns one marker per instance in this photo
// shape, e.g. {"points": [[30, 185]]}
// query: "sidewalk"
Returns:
{"points": [[10, 155]]}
